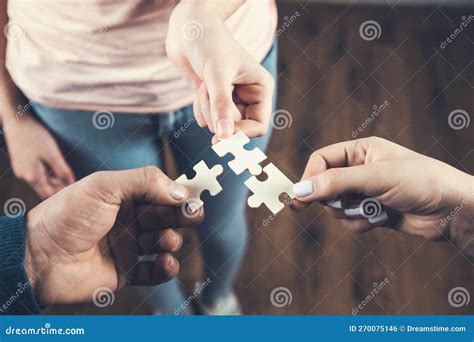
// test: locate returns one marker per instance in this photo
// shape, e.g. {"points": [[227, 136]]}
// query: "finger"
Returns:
{"points": [[251, 128], [41, 185], [197, 112], [364, 179], [60, 169], [205, 107], [161, 270], [152, 217], [167, 240], [148, 184], [219, 86], [358, 225]]}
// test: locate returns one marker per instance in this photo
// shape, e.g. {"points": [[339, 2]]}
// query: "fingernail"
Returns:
{"points": [[224, 128], [334, 203], [178, 191], [303, 188], [379, 219], [171, 261], [352, 212]]}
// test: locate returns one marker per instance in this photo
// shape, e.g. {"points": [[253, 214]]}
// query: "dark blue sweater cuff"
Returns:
{"points": [[16, 295]]}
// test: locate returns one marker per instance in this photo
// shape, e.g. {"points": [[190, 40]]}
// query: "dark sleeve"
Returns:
{"points": [[16, 295]]}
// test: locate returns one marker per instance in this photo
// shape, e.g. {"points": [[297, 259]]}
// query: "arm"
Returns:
{"points": [[232, 90], [34, 154]]}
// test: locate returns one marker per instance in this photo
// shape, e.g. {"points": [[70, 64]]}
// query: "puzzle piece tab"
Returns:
{"points": [[244, 159], [205, 179], [268, 191]]}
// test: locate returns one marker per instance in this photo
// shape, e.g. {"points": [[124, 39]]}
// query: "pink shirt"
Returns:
{"points": [[99, 54]]}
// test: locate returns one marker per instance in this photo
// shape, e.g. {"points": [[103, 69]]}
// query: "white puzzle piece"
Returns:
{"points": [[205, 179], [244, 159], [268, 191]]}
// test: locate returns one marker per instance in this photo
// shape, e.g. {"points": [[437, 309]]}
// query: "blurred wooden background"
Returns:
{"points": [[330, 79]]}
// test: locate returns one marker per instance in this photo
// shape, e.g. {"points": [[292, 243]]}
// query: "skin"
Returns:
{"points": [[230, 96], [233, 92], [419, 192], [90, 234]]}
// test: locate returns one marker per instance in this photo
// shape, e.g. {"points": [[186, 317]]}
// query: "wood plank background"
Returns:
{"points": [[330, 79]]}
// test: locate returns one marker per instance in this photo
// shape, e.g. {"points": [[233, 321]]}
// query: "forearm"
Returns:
{"points": [[461, 218], [10, 96]]}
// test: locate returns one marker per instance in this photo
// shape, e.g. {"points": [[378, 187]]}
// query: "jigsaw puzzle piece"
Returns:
{"points": [[244, 159], [269, 191], [205, 179]]}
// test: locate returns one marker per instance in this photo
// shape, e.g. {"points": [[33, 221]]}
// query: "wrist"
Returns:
{"points": [[460, 226], [34, 258]]}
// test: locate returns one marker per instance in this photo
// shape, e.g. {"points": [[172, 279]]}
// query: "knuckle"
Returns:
{"points": [[153, 176]]}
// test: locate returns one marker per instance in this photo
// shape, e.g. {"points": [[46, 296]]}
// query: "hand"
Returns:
{"points": [[90, 235], [233, 92], [432, 199], [36, 157]]}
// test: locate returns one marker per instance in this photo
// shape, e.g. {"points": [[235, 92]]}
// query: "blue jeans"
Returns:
{"points": [[137, 140]]}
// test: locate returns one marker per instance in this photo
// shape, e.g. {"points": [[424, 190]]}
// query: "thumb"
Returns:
{"points": [[363, 179], [219, 85], [148, 184]]}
